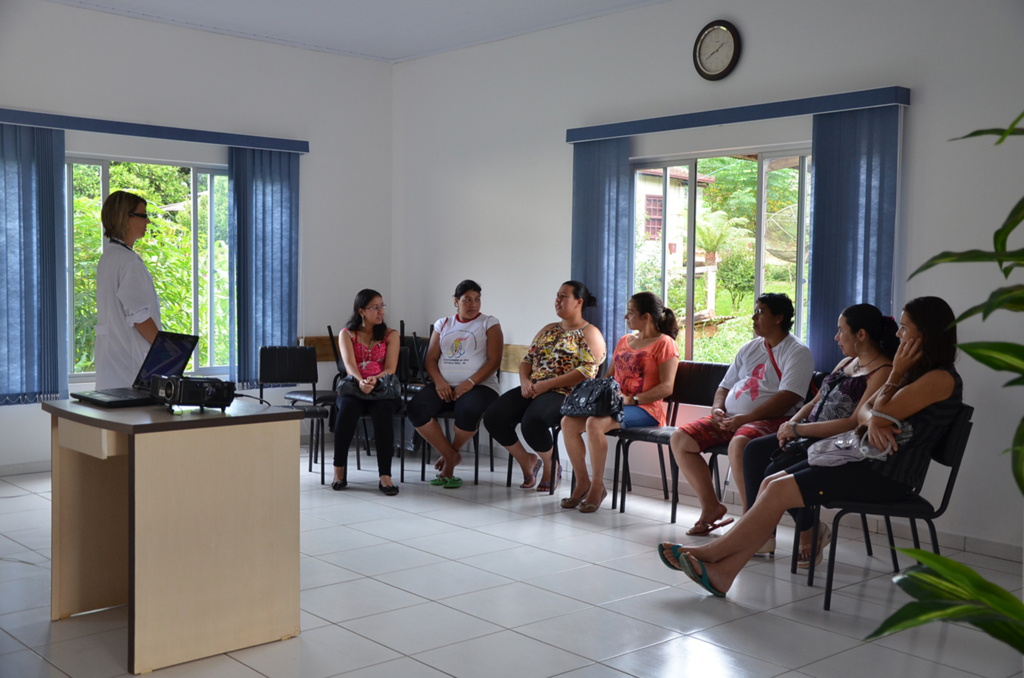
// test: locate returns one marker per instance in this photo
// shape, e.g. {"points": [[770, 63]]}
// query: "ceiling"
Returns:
{"points": [[386, 30]]}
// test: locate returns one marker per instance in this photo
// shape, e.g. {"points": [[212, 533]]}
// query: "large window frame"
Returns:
{"points": [[196, 170], [803, 236]]}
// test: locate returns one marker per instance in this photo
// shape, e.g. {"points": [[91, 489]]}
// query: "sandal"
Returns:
{"points": [[529, 484], [546, 486], [452, 483], [701, 528], [439, 480], [824, 539], [677, 551], [702, 578], [591, 508]]}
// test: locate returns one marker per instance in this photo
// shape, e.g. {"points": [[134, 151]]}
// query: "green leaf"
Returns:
{"points": [[1010, 298], [1017, 456], [1019, 381], [999, 355], [973, 256], [973, 585], [993, 132], [1012, 129], [1012, 221], [916, 614]]}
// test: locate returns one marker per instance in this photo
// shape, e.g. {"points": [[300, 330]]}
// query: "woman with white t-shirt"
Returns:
{"points": [[463, 360], [127, 308]]}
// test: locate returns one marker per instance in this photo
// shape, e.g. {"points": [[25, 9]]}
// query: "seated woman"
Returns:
{"points": [[562, 355], [463, 359], [369, 349], [644, 364], [869, 342], [923, 388]]}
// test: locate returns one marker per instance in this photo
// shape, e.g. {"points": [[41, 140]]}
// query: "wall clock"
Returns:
{"points": [[716, 50]]}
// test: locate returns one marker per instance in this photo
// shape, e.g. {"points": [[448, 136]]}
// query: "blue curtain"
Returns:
{"points": [[601, 233], [855, 177], [263, 219], [33, 283]]}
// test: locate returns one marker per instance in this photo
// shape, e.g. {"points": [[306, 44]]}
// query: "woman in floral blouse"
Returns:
{"points": [[562, 355]]}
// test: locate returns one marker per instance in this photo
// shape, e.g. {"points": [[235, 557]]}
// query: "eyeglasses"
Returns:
{"points": [[140, 215], [378, 307]]}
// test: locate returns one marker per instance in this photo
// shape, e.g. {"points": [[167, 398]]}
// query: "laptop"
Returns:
{"points": [[167, 357]]}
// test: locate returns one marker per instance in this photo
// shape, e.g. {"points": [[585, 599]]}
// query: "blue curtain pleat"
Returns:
{"points": [[263, 218], [854, 190], [601, 232], [33, 244]]}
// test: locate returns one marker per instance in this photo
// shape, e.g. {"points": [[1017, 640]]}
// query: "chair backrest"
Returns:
{"points": [[417, 346], [697, 382], [812, 390], [950, 451], [287, 365], [337, 352]]}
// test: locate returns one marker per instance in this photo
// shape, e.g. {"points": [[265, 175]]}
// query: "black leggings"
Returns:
{"points": [[756, 459], [468, 408], [537, 416], [381, 413]]}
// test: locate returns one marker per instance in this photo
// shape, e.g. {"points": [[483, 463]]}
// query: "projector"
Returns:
{"points": [[196, 391]]}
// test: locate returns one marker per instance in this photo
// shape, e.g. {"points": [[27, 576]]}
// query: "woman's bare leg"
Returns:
{"points": [[572, 434], [524, 458], [433, 434], [687, 454], [736, 447], [597, 427]]}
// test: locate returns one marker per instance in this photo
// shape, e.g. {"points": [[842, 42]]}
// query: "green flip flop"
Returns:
{"points": [[439, 480], [452, 483], [702, 578]]}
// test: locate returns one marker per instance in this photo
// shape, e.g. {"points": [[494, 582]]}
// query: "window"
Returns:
{"points": [[742, 221], [185, 248]]}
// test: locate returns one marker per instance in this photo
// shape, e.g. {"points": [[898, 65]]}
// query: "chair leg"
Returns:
{"points": [[424, 456], [508, 480], [476, 457], [713, 465], [814, 540], [312, 443], [664, 478], [323, 453], [913, 531], [796, 548], [935, 536], [490, 441], [619, 446], [625, 475], [675, 484], [554, 464], [401, 455], [366, 433], [832, 560], [892, 545], [356, 436], [867, 535]]}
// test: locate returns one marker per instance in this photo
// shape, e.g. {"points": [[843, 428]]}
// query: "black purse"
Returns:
{"points": [[594, 398], [387, 388], [793, 452]]}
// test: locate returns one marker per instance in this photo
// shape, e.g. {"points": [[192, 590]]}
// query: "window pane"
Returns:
{"points": [[202, 236], [87, 233], [726, 224], [676, 226], [649, 211], [221, 287], [782, 188]]}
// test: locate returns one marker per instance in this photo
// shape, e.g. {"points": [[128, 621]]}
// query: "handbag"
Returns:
{"points": [[855, 446], [387, 388], [594, 398], [793, 452]]}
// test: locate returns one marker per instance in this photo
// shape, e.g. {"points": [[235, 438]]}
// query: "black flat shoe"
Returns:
{"points": [[389, 490], [338, 485]]}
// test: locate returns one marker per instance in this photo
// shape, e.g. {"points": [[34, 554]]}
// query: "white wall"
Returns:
{"points": [[64, 60], [483, 175]]}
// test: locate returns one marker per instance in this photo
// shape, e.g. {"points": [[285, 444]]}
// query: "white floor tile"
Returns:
{"points": [[221, 666], [961, 647], [101, 655], [460, 543], [319, 653], [502, 655], [24, 594], [9, 547], [595, 585], [871, 659], [443, 580], [354, 599], [596, 548], [355, 512], [597, 633], [679, 609], [523, 562], [24, 520], [420, 628], [404, 667], [472, 516], [34, 628], [759, 592], [514, 605], [381, 558], [22, 565], [595, 671], [976, 560], [27, 664], [688, 656], [334, 539], [308, 621], [32, 538], [9, 644], [315, 573], [33, 482], [853, 617], [534, 531], [24, 502], [404, 527], [9, 490], [777, 640]]}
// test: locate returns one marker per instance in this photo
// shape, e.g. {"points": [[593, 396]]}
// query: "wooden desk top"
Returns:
{"points": [[154, 418]]}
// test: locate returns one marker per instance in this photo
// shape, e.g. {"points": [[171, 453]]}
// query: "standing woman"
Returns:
{"points": [[644, 364], [127, 308], [562, 355], [368, 349], [463, 360]]}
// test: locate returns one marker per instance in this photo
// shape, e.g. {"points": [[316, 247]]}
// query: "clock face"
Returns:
{"points": [[716, 50]]}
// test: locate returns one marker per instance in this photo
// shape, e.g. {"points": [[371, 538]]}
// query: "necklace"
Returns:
{"points": [[863, 366]]}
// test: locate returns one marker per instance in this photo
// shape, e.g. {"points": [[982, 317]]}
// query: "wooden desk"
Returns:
{"points": [[191, 520]]}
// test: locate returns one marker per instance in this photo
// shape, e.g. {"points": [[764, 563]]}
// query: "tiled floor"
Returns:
{"points": [[486, 581]]}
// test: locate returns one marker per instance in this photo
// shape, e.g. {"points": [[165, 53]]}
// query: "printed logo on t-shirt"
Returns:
{"points": [[753, 384], [459, 346]]}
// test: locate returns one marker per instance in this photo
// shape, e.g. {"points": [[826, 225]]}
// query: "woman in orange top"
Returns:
{"points": [[644, 364]]}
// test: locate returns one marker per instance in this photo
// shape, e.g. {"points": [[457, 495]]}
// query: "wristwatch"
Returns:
{"points": [[636, 400]]}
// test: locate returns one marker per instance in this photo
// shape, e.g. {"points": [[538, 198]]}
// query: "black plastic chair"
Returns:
{"points": [[555, 430], [949, 452], [696, 384], [297, 365], [723, 450]]}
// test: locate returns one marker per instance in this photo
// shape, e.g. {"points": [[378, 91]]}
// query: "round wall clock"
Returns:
{"points": [[716, 50]]}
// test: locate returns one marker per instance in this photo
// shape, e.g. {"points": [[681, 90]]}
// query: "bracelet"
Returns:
{"points": [[886, 386], [795, 431], [470, 380], [883, 415]]}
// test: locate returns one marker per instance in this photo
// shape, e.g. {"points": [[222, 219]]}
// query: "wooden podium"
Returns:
{"points": [[192, 520]]}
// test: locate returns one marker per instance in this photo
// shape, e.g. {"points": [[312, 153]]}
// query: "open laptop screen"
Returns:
{"points": [[168, 356]]}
